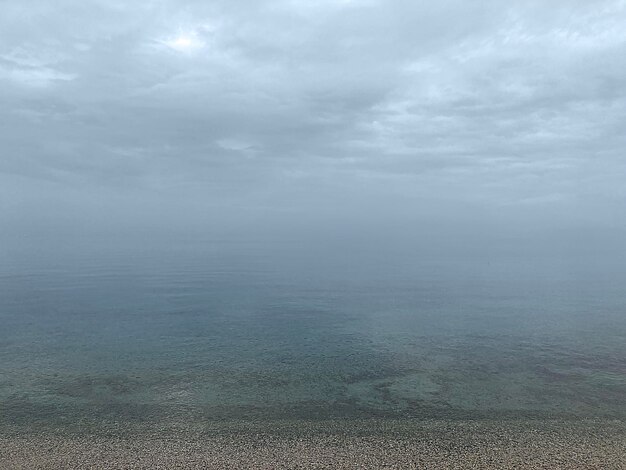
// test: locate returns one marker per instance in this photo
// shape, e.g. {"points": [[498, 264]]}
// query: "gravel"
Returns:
{"points": [[337, 444]]}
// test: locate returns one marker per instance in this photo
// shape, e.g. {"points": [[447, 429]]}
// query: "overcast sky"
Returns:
{"points": [[242, 112]]}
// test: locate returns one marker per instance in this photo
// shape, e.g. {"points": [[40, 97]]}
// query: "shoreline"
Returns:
{"points": [[363, 443]]}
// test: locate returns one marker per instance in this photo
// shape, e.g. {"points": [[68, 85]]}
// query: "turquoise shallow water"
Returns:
{"points": [[237, 331]]}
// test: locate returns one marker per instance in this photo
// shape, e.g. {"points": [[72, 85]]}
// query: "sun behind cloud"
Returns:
{"points": [[185, 42]]}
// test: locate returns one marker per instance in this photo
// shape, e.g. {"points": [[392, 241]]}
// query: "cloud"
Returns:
{"points": [[267, 102]]}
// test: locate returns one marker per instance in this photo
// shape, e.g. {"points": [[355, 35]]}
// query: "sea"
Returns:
{"points": [[224, 330]]}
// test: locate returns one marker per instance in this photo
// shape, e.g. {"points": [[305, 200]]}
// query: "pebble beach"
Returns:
{"points": [[371, 443]]}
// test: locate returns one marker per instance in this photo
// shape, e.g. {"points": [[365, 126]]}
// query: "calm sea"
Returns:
{"points": [[244, 330]]}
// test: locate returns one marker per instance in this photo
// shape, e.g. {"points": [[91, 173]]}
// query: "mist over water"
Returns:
{"points": [[291, 209], [293, 329]]}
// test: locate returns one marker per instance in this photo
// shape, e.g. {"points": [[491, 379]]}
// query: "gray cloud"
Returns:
{"points": [[357, 107]]}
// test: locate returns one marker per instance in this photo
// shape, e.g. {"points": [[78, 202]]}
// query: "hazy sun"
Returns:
{"points": [[185, 43], [182, 42]]}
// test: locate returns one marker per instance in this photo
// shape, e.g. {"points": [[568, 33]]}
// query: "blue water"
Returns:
{"points": [[240, 330]]}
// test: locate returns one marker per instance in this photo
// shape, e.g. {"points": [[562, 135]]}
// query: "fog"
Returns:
{"points": [[457, 127]]}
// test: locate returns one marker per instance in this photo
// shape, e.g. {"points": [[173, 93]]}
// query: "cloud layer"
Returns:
{"points": [[328, 107]]}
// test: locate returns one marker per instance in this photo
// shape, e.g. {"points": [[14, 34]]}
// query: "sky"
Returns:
{"points": [[234, 118]]}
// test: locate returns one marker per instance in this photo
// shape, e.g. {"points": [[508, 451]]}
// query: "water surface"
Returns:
{"points": [[243, 330]]}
